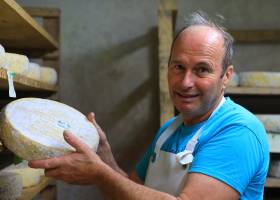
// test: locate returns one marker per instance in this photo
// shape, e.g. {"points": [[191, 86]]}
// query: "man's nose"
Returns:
{"points": [[188, 80]]}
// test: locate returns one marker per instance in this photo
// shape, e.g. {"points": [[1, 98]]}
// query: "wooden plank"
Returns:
{"points": [[165, 35], [272, 182], [43, 12], [23, 83], [255, 36], [30, 192], [253, 91], [20, 31]]}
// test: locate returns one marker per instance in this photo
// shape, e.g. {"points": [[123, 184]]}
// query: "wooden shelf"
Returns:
{"points": [[272, 182], [30, 192], [253, 91], [23, 83], [20, 32]]}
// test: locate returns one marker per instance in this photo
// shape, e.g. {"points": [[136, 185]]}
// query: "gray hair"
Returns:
{"points": [[201, 18]]}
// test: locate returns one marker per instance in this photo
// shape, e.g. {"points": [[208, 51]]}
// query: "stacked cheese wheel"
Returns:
{"points": [[260, 79], [33, 128], [20, 64]]}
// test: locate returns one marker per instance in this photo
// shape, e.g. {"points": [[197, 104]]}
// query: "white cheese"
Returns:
{"points": [[10, 185], [234, 81], [17, 63], [259, 79], [271, 122], [33, 128], [33, 71], [3, 59], [30, 177], [48, 75]]}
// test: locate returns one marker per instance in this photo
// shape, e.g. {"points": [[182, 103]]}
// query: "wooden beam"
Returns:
{"points": [[165, 35], [43, 12], [255, 36]]}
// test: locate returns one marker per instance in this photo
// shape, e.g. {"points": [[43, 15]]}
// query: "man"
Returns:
{"points": [[215, 149]]}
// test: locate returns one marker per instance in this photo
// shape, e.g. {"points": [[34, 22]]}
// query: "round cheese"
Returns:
{"points": [[3, 59], [30, 177], [234, 81], [10, 185], [48, 75], [33, 71], [270, 122], [259, 79], [17, 63], [33, 128]]}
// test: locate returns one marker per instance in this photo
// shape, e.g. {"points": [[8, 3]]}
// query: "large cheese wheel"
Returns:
{"points": [[259, 79], [48, 75], [17, 63], [33, 71], [10, 185], [30, 177], [33, 128], [270, 122], [234, 81]]}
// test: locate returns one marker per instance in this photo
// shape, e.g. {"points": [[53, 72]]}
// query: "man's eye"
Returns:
{"points": [[178, 67], [202, 71]]}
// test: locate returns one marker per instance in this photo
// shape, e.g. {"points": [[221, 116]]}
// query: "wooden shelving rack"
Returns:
{"points": [[20, 33]]}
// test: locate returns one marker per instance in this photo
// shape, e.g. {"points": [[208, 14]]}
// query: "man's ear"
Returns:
{"points": [[227, 76]]}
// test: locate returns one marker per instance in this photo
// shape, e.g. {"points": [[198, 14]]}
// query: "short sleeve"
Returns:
{"points": [[231, 156]]}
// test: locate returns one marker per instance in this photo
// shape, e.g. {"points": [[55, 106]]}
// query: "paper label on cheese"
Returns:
{"points": [[33, 128]]}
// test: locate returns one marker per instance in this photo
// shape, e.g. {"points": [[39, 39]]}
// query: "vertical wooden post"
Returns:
{"points": [[166, 10]]}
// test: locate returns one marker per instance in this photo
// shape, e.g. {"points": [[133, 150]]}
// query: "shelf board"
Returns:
{"points": [[30, 192], [23, 83], [253, 91], [272, 182], [19, 31]]}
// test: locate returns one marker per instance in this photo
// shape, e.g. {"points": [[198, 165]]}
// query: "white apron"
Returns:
{"points": [[167, 172]]}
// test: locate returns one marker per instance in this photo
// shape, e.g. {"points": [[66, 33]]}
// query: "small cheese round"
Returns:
{"points": [[10, 185], [48, 75], [271, 122], [33, 71], [259, 79], [17, 63], [33, 128]]}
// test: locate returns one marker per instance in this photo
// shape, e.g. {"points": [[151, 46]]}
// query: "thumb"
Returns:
{"points": [[75, 142]]}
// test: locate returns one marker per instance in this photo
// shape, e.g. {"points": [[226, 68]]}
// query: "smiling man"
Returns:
{"points": [[214, 149]]}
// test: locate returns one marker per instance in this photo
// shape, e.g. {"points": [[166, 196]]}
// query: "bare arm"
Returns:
{"points": [[86, 167]]}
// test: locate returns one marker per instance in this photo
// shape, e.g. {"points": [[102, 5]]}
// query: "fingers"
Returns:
{"points": [[75, 142], [91, 117], [45, 164]]}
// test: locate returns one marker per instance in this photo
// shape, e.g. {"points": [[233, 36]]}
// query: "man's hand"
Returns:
{"points": [[80, 167], [104, 149]]}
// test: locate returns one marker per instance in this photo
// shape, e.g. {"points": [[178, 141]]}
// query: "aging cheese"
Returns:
{"points": [[274, 142], [30, 177], [33, 71], [234, 81], [33, 128], [17, 63], [270, 122], [10, 185], [48, 75], [260, 79], [3, 59]]}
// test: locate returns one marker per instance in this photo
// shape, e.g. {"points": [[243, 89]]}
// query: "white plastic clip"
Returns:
{"points": [[12, 92]]}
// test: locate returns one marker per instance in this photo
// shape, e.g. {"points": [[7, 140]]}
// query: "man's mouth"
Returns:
{"points": [[186, 95]]}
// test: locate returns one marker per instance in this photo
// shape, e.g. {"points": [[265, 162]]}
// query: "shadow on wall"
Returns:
{"points": [[111, 118]]}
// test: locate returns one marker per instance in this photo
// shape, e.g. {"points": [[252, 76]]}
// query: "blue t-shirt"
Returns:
{"points": [[232, 148]]}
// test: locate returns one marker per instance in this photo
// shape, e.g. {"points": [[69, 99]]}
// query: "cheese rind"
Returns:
{"points": [[33, 71], [271, 122], [17, 63], [10, 185], [259, 79], [48, 75], [33, 128]]}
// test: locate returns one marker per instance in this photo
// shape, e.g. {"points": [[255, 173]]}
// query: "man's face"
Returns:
{"points": [[195, 70]]}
